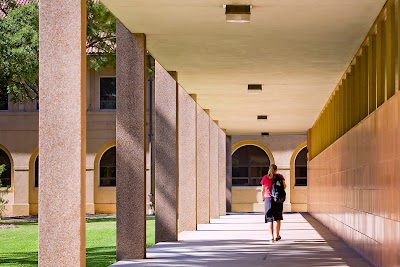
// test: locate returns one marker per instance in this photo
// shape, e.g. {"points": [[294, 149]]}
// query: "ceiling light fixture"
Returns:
{"points": [[237, 13], [262, 117], [254, 88]]}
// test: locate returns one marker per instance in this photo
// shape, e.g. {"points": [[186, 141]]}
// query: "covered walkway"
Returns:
{"points": [[205, 71], [241, 240]]}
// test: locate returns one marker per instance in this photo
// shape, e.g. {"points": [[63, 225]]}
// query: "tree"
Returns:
{"points": [[19, 45], [101, 36]]}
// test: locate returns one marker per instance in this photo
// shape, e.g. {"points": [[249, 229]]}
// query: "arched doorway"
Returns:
{"points": [[298, 181], [105, 179], [5, 161], [250, 162], [300, 168]]}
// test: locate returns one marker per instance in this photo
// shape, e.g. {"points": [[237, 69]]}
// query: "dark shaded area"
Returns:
{"points": [[100, 256], [301, 168], [21, 258], [6, 175], [108, 168]]}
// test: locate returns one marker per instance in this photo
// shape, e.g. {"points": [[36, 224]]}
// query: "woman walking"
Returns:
{"points": [[272, 209]]}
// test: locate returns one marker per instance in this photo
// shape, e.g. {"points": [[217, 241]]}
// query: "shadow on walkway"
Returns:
{"points": [[241, 240]]}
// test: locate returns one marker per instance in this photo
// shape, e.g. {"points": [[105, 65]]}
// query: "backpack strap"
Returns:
{"points": [[277, 178]]}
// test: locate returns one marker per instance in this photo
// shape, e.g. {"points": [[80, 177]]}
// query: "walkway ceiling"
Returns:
{"points": [[298, 50]]}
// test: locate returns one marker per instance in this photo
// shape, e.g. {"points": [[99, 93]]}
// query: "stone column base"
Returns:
{"points": [[17, 210], [90, 208]]}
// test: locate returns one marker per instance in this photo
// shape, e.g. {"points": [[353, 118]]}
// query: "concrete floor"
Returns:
{"points": [[241, 240]]}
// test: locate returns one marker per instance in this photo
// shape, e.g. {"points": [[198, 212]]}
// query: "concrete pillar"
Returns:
{"points": [[166, 156], [222, 171], [90, 209], [131, 144], [214, 179], [228, 174], [203, 166], [187, 161], [21, 191], [62, 132]]}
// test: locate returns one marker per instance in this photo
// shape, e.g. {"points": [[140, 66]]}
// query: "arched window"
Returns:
{"points": [[108, 168], [249, 164], [300, 170], [37, 172], [6, 175]]}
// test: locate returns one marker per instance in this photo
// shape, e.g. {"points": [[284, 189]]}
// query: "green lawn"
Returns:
{"points": [[19, 246]]}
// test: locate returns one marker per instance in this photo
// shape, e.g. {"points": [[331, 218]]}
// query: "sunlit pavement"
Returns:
{"points": [[242, 240]]}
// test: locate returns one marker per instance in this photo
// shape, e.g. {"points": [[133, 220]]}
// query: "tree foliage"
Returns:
{"points": [[19, 45], [101, 37], [2, 169]]}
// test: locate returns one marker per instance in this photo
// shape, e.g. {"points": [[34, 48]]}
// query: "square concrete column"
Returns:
{"points": [[131, 144], [222, 171], [90, 209], [187, 161], [166, 156], [62, 132], [228, 173], [214, 178], [203, 166], [21, 191]]}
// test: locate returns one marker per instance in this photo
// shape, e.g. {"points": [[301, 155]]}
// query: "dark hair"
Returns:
{"points": [[273, 166]]}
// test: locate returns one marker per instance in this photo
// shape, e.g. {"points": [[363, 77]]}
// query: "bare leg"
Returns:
{"points": [[278, 228], [271, 229]]}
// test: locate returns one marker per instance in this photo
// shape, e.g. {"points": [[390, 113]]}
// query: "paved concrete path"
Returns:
{"points": [[241, 240]]}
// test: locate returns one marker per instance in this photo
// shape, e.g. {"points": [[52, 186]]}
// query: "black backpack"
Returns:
{"points": [[278, 193]]}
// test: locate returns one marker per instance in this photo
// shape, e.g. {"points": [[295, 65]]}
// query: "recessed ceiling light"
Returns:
{"points": [[262, 117], [254, 88], [237, 13]]}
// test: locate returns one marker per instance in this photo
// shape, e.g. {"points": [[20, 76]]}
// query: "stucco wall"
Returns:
{"points": [[19, 136]]}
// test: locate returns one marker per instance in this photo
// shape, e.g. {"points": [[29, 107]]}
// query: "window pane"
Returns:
{"points": [[301, 158], [301, 171], [240, 172], [258, 172], [240, 157], [258, 156], [251, 162], [6, 175], [37, 172], [108, 93], [3, 98], [108, 168], [300, 181], [237, 181], [255, 181], [301, 168]]}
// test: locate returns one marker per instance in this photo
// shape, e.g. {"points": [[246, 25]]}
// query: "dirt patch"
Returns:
{"points": [[7, 226]]}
